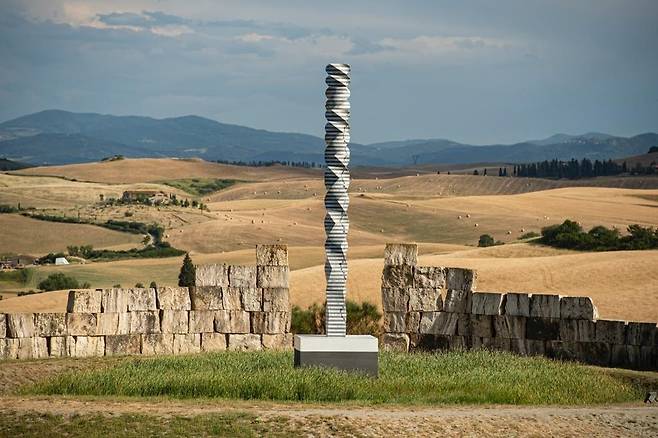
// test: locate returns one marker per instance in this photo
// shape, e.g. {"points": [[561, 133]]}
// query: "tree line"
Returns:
{"points": [[260, 163], [575, 169]]}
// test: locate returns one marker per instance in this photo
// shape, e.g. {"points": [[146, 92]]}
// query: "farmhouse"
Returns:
{"points": [[152, 196]]}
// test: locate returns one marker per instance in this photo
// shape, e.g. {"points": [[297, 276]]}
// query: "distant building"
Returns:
{"points": [[61, 261], [152, 196]]}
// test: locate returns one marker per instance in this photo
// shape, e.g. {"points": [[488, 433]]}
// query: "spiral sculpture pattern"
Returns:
{"points": [[336, 201]]}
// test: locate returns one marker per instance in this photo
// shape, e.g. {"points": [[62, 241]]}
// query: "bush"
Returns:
{"points": [[362, 319], [529, 235], [570, 235], [486, 240], [4, 208], [58, 281]]}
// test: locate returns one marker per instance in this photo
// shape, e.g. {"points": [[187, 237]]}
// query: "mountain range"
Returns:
{"points": [[62, 137]]}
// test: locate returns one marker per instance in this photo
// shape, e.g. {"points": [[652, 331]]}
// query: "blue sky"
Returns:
{"points": [[473, 71]]}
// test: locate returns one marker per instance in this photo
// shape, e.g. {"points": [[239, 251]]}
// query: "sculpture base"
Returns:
{"points": [[357, 353]]}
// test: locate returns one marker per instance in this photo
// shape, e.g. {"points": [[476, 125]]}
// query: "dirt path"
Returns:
{"points": [[615, 420]]}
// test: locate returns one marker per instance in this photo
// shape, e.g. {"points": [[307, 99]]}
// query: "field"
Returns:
{"points": [[445, 214]]}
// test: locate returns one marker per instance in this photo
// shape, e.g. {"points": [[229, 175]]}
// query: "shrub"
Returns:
{"points": [[139, 285], [570, 235], [362, 319], [153, 285], [58, 281], [486, 240], [530, 235]]}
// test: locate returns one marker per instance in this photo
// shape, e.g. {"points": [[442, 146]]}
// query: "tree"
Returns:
{"points": [[187, 275], [486, 240], [653, 149], [475, 172], [58, 281], [153, 285]]}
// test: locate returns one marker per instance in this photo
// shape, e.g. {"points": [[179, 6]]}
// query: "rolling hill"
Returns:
{"points": [[6, 165], [62, 137]]}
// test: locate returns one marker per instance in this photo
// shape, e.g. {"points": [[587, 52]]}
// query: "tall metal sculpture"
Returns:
{"points": [[336, 201], [336, 349]]}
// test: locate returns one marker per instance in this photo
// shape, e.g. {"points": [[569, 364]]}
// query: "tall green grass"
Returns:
{"points": [[455, 377]]}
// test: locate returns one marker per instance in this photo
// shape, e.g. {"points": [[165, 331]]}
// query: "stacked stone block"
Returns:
{"points": [[437, 308], [231, 307]]}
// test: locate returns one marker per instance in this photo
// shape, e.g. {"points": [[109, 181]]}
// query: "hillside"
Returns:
{"points": [[61, 137], [6, 165]]}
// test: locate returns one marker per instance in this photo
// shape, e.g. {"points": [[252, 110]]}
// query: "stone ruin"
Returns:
{"points": [[230, 308], [429, 308]]}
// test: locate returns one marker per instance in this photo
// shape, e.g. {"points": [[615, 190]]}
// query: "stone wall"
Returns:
{"points": [[437, 308], [231, 307]]}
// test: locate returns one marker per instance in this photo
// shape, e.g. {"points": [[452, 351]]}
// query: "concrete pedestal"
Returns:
{"points": [[350, 353]]}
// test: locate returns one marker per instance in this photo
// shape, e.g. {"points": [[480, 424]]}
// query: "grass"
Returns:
{"points": [[200, 186], [234, 424], [472, 377]]}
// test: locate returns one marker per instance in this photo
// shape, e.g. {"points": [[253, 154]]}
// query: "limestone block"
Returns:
{"points": [[517, 304], [395, 299], [430, 277], [279, 341], [175, 321], [458, 301], [579, 330], [9, 348], [186, 344], [272, 255], [511, 327], [412, 322], [545, 329], [458, 343], [394, 342], [276, 299], [394, 322], [648, 358], [57, 346], [487, 303], [242, 276], [427, 342], [124, 323], [397, 277], [202, 321], [84, 301], [425, 300], [107, 324], [519, 346], [213, 342], [464, 324], [81, 324], [612, 332], [269, 322], [232, 298], [207, 297], [273, 276], [493, 344], [460, 279], [252, 299], [482, 326], [535, 347], [3, 326], [211, 275], [578, 308], [625, 356], [121, 345], [50, 324], [145, 322], [562, 350], [232, 321], [141, 299], [439, 323], [20, 325], [640, 333], [595, 353], [114, 300], [158, 343], [244, 342], [85, 346], [173, 298], [545, 306], [32, 348], [400, 254]]}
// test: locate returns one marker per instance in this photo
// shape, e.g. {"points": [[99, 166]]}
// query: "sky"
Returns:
{"points": [[474, 71]]}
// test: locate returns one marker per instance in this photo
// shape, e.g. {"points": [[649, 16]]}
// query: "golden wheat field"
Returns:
{"points": [[445, 214]]}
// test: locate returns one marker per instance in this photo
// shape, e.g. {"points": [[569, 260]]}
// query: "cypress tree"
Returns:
{"points": [[187, 275]]}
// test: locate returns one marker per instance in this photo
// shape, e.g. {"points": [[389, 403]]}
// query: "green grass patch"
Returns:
{"points": [[469, 377], [201, 186], [238, 424]]}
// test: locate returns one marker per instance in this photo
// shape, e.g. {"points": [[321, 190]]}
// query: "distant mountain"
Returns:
{"points": [[60, 137], [6, 164]]}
